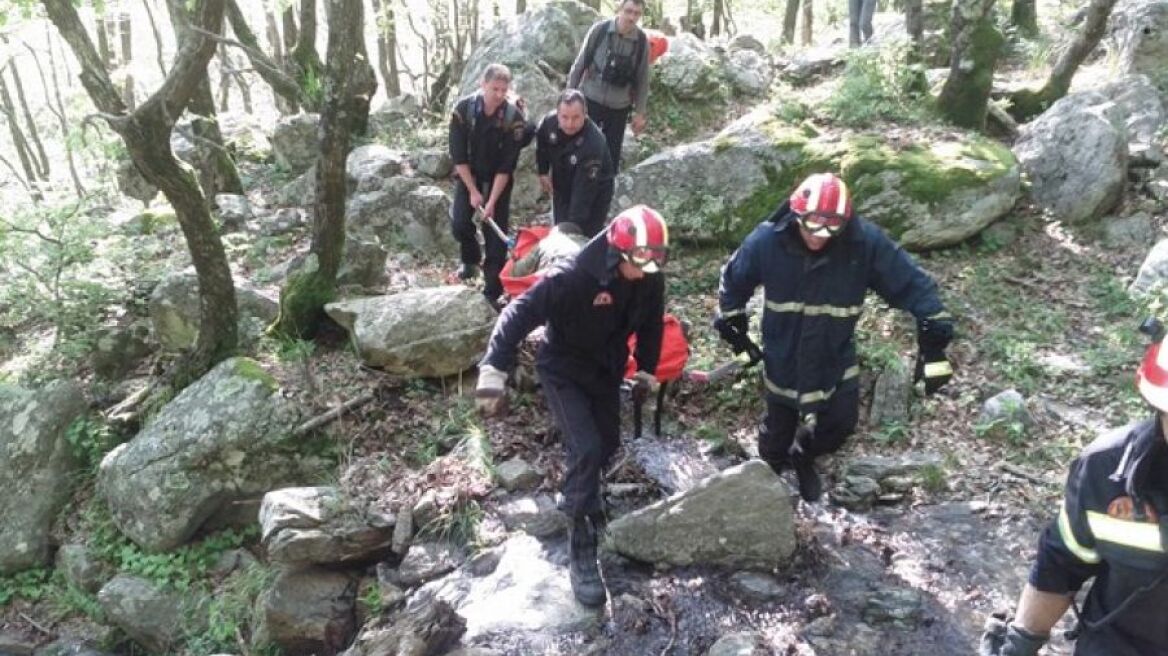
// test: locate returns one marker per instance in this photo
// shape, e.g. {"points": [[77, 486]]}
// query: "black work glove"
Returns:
{"points": [[1004, 638], [933, 335], [736, 332]]}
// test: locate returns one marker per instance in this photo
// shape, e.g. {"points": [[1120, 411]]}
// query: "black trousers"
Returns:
{"points": [[833, 425], [463, 227], [612, 123], [588, 416]]}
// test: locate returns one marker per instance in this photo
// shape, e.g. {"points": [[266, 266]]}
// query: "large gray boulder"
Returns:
{"points": [[132, 184], [691, 69], [223, 440], [426, 628], [709, 525], [749, 72], [294, 141], [1076, 153], [437, 331], [175, 312], [317, 525], [36, 467], [368, 166], [150, 615], [926, 195], [408, 212], [545, 38], [1141, 30], [1153, 274], [308, 611]]}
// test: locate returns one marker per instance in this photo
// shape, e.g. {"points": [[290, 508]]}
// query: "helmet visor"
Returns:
{"points": [[822, 225], [649, 259]]}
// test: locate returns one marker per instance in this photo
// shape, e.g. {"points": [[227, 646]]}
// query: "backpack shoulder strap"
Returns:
{"points": [[599, 31]]}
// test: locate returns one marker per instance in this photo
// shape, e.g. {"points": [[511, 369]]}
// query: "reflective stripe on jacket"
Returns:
{"points": [[813, 301], [1112, 526]]}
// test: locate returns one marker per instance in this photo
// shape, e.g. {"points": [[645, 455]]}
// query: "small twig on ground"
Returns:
{"points": [[671, 618], [326, 417], [34, 623], [617, 467], [1011, 468]]}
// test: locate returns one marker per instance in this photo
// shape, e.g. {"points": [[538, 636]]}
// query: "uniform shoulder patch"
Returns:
{"points": [[592, 169]]}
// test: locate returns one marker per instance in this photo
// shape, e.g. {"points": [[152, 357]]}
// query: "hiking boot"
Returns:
{"points": [[467, 272], [583, 569], [810, 487]]}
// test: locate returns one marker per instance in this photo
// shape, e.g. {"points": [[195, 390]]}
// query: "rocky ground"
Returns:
{"points": [[421, 507]]}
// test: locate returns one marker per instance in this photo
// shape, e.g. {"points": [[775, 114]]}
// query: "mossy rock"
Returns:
{"points": [[928, 193]]}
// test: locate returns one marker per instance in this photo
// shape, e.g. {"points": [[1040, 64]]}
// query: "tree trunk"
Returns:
{"points": [[976, 45], [291, 32], [808, 22], [224, 99], [58, 111], [127, 58], [23, 152], [103, 45], [1024, 16], [790, 17], [717, 22], [520, 6], [914, 24], [217, 172], [146, 133], [309, 69], [272, 30], [283, 85], [1026, 104], [157, 36], [349, 85], [41, 161], [914, 21], [387, 46]]}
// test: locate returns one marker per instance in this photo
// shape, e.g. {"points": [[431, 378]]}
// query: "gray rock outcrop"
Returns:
{"points": [[308, 611], [36, 466], [294, 141], [175, 312], [709, 525], [317, 525], [437, 331], [150, 615], [221, 441]]}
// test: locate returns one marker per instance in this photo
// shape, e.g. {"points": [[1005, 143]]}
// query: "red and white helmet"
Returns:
{"points": [[641, 236], [823, 204], [1152, 376]]}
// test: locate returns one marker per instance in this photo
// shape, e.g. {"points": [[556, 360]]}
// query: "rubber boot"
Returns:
{"points": [[583, 569], [810, 487]]}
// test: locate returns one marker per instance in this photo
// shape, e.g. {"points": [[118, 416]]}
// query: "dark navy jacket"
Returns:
{"points": [[590, 311], [488, 144], [582, 171], [1113, 526], [813, 301]]}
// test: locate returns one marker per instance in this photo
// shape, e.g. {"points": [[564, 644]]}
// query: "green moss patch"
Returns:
{"points": [[251, 370]]}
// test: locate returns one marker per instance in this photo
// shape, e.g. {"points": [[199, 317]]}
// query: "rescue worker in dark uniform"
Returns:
{"points": [[574, 164], [612, 71], [487, 131], [816, 261], [591, 305], [1111, 527]]}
